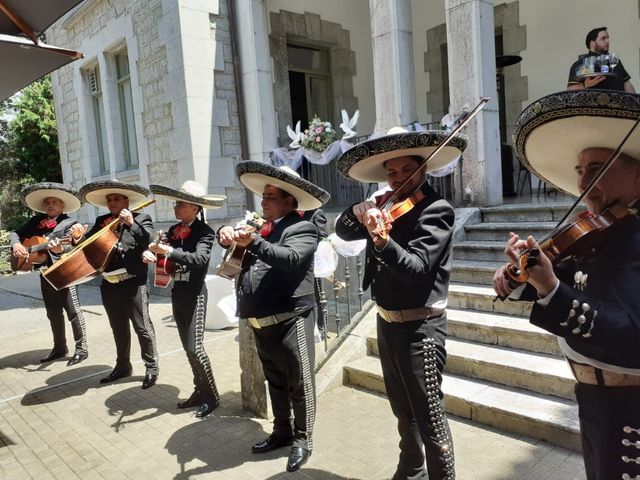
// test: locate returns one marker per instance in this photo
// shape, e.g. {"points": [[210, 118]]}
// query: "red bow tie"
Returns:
{"points": [[181, 232], [47, 224], [107, 221], [266, 229]]}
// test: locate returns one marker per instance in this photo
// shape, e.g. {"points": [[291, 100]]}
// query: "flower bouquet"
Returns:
{"points": [[319, 135]]}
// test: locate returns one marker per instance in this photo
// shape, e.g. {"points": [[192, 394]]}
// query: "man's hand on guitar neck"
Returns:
{"points": [[149, 257], [228, 236], [55, 245]]}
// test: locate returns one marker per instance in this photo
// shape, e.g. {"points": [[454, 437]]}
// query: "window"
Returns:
{"points": [[93, 78], [125, 100]]}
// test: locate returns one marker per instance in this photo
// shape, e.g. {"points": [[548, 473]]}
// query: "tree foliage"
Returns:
{"points": [[28, 148]]}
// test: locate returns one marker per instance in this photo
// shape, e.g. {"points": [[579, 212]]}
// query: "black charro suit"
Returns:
{"points": [[129, 299], [411, 272], [277, 278], [55, 301], [609, 339], [189, 301]]}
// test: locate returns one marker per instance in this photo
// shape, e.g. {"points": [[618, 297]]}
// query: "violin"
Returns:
{"points": [[393, 211], [581, 239]]}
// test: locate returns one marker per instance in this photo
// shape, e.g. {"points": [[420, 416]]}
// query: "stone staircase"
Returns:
{"points": [[501, 371]]}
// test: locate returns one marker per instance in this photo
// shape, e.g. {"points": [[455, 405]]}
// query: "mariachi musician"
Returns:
{"points": [[407, 268], [589, 300], [124, 284], [275, 296], [53, 201], [188, 245]]}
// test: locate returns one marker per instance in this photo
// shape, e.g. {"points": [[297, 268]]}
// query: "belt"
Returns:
{"points": [[117, 278], [271, 319], [181, 277], [603, 378], [409, 314]]}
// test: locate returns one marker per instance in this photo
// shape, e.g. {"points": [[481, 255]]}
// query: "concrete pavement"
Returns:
{"points": [[58, 422]]}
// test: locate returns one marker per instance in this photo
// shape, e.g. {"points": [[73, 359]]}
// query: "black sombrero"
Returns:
{"points": [[96, 193], [33, 196], [364, 162], [256, 175], [551, 132], [191, 192]]}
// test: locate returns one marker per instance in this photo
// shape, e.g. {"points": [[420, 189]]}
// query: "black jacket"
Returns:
{"points": [[194, 252], [611, 290], [134, 241], [277, 271], [31, 229], [412, 271]]}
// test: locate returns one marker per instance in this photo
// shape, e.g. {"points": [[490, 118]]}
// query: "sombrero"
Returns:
{"points": [[256, 175], [364, 162], [33, 196], [551, 132], [96, 193], [191, 192]]}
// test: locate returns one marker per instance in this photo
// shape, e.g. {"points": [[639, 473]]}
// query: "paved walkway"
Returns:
{"points": [[60, 423]]}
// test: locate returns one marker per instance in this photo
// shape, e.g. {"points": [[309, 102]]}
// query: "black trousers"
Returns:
{"points": [[610, 428], [288, 360], [56, 302], [128, 301], [413, 356], [189, 304]]}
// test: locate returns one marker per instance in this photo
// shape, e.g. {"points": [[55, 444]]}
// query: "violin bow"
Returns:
{"points": [[463, 120], [612, 158]]}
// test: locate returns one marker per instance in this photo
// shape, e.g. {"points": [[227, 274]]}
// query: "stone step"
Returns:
{"points": [[481, 251], [529, 212], [477, 297], [500, 231], [545, 417], [473, 271], [503, 330], [536, 372]]}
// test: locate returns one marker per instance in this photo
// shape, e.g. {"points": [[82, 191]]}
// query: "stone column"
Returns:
{"points": [[392, 63], [472, 75], [255, 67]]}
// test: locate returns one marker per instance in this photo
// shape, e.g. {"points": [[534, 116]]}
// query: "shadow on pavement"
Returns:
{"points": [[83, 378], [24, 359], [307, 473], [221, 441], [128, 403]]}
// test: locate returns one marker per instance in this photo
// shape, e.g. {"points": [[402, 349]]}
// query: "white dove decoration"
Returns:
{"points": [[295, 136], [348, 125]]}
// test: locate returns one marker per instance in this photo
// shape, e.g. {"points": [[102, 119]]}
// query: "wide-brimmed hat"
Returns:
{"points": [[256, 175], [33, 196], [191, 192], [364, 162], [551, 132], [96, 193]]}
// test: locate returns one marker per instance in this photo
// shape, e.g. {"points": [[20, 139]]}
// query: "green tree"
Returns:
{"points": [[28, 148], [33, 133]]}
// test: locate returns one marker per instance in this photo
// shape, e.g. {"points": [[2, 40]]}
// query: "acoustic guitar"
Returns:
{"points": [[231, 264], [165, 267], [37, 247]]}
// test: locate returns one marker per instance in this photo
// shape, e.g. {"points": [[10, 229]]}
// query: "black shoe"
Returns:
{"points": [[297, 458], [192, 401], [77, 358], [115, 375], [54, 355], [207, 407], [272, 442], [149, 380]]}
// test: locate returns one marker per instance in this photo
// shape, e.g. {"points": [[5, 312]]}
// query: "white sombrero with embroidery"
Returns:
{"points": [[256, 175], [365, 161], [551, 132], [96, 193], [33, 196], [190, 192]]}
